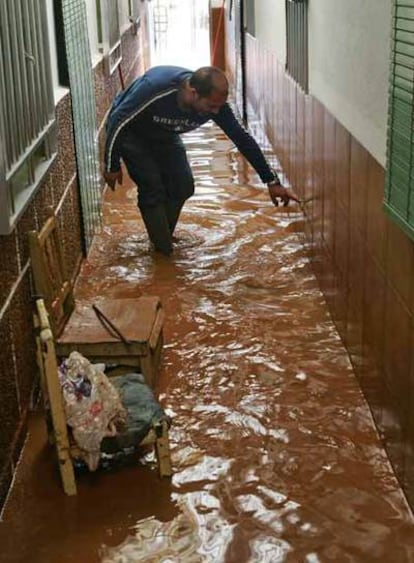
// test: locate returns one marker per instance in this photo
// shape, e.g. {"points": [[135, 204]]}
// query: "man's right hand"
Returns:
{"points": [[111, 178], [277, 191]]}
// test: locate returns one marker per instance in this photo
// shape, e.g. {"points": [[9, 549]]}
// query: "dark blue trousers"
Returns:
{"points": [[160, 168]]}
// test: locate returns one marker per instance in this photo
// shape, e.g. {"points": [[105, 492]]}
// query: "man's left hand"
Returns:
{"points": [[277, 191], [112, 178]]}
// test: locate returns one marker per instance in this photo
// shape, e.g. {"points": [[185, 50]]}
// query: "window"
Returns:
{"points": [[250, 20], [108, 32], [27, 122], [134, 8], [399, 187], [297, 41], [135, 14]]}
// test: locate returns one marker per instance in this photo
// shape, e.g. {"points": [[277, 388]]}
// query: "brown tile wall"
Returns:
{"points": [[18, 364], [364, 262], [217, 44], [59, 191], [134, 62]]}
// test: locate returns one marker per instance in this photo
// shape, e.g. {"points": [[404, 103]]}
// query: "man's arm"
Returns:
{"points": [[249, 148], [127, 107]]}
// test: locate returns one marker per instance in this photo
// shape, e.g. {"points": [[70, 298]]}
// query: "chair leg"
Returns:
{"points": [[67, 472], [147, 368], [156, 353], [162, 448]]}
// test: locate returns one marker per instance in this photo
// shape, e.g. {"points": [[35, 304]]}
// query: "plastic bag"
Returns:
{"points": [[92, 405]]}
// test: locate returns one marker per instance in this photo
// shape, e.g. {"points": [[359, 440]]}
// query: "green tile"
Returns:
{"points": [[398, 176], [404, 84], [404, 49], [405, 12], [400, 142], [404, 60], [402, 162], [406, 25], [402, 71], [403, 108], [398, 197], [402, 136], [401, 126], [402, 95], [404, 36], [404, 2]]}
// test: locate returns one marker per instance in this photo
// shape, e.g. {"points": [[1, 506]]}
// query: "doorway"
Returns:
{"points": [[180, 33]]}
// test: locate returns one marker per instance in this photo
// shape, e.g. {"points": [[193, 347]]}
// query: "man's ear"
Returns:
{"points": [[193, 92]]}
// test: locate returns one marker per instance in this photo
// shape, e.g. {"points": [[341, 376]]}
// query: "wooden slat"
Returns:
{"points": [[56, 402], [156, 329], [162, 447]]}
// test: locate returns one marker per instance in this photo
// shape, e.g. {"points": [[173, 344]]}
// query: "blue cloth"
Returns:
{"points": [[143, 412], [148, 110]]}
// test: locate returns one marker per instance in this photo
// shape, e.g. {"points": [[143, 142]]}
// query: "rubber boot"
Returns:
{"points": [[156, 223], [173, 209]]}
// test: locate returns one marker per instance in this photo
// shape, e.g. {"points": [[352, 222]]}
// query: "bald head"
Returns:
{"points": [[209, 80]]}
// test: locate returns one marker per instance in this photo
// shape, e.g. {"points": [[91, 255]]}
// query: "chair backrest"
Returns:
{"points": [[52, 396], [49, 275], [54, 404]]}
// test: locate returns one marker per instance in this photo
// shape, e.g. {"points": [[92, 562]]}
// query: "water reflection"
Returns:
{"points": [[275, 454]]}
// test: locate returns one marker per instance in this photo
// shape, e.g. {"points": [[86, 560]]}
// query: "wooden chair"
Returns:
{"points": [[67, 451], [124, 332]]}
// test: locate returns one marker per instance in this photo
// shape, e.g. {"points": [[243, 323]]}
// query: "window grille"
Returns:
{"points": [[297, 41], [109, 33], [27, 121], [82, 90], [399, 186], [135, 14], [250, 21], [134, 8]]}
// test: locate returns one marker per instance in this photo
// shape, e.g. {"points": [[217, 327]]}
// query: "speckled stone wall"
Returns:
{"points": [[59, 192], [134, 61], [18, 369]]}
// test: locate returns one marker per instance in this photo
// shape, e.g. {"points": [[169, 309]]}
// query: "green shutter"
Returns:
{"points": [[399, 187], [297, 41]]}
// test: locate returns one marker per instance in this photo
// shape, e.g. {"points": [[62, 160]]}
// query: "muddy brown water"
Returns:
{"points": [[275, 453]]}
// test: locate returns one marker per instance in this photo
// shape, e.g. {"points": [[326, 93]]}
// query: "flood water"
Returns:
{"points": [[274, 450]]}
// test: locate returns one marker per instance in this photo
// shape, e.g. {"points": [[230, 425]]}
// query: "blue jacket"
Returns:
{"points": [[149, 106]]}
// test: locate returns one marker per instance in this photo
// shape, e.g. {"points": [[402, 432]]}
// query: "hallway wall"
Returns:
{"points": [[58, 193], [364, 262], [349, 59], [18, 369]]}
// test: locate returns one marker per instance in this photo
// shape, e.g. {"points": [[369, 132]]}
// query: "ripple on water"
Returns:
{"points": [[275, 454]]}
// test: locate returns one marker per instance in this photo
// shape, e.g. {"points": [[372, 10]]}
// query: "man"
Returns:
{"points": [[144, 127]]}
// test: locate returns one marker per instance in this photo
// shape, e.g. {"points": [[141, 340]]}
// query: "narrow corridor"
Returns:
{"points": [[275, 454]]}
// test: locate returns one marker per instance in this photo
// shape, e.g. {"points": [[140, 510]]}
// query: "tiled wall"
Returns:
{"points": [[134, 60], [365, 263], [217, 44], [17, 352], [18, 370]]}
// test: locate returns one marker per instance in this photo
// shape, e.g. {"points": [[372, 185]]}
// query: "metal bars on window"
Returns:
{"points": [[135, 14], [109, 33], [26, 104], [297, 41], [84, 113]]}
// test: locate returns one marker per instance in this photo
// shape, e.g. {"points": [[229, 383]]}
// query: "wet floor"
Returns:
{"points": [[274, 450]]}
